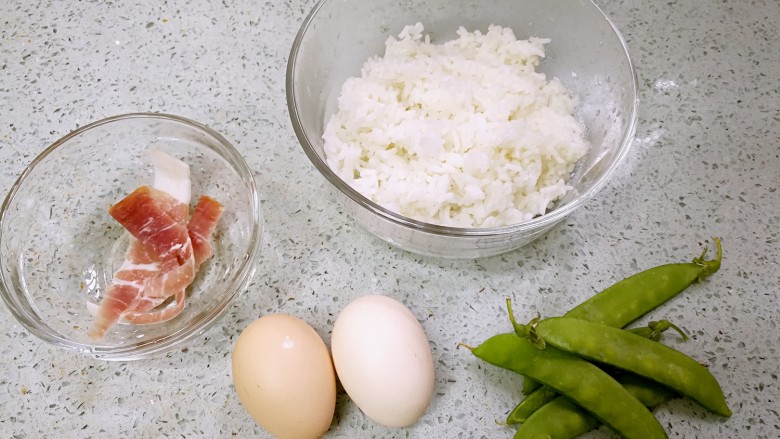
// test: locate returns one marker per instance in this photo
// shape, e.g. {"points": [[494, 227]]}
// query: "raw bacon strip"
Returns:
{"points": [[139, 257], [167, 283], [166, 252], [161, 249], [118, 298], [144, 213], [163, 315], [141, 265], [123, 294], [201, 227], [202, 224], [171, 176]]}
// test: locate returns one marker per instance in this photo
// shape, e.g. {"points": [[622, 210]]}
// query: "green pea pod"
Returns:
{"points": [[544, 395], [563, 419], [529, 385], [646, 391], [531, 403], [558, 419], [635, 296], [626, 351], [581, 381]]}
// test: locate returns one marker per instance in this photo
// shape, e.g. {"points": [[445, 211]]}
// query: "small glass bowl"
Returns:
{"points": [[586, 53], [59, 247]]}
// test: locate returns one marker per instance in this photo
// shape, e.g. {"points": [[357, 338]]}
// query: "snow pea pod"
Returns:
{"points": [[543, 395], [581, 381], [530, 404], [635, 296], [563, 419], [626, 351], [646, 391], [529, 386], [558, 419]]}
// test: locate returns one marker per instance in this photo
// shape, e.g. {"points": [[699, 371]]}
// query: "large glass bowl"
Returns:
{"points": [[59, 247], [586, 53]]}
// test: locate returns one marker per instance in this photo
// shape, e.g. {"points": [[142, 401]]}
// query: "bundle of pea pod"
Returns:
{"points": [[583, 369]]}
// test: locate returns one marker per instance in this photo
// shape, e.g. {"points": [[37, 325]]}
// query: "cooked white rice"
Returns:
{"points": [[462, 134]]}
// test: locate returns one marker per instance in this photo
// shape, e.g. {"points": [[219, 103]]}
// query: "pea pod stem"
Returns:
{"points": [[709, 267], [659, 326], [581, 381], [524, 330]]}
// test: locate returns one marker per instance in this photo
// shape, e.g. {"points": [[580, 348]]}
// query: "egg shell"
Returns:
{"points": [[284, 377], [383, 360]]}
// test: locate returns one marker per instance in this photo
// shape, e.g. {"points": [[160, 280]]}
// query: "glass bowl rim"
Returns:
{"points": [[535, 223], [162, 344]]}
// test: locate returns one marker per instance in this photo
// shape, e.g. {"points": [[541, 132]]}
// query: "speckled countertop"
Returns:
{"points": [[706, 161]]}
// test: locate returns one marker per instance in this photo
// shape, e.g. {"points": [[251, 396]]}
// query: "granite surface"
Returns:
{"points": [[705, 162]]}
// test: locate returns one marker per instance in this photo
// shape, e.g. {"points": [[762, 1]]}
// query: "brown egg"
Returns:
{"points": [[284, 377]]}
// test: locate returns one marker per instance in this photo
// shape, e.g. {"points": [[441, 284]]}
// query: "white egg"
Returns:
{"points": [[284, 377], [383, 360]]}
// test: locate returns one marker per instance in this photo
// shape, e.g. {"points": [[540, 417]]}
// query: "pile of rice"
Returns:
{"points": [[462, 134]]}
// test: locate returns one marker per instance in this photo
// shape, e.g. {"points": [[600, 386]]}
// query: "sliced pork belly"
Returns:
{"points": [[124, 292], [200, 228], [202, 224], [165, 252], [144, 213], [163, 315]]}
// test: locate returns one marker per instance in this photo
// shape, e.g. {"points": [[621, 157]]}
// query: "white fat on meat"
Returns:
{"points": [[171, 176]]}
